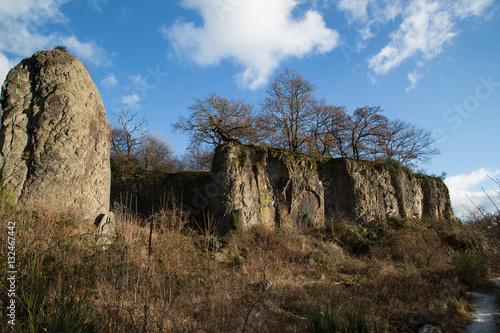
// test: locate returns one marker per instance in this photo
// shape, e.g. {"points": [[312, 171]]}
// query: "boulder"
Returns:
{"points": [[106, 229], [54, 135]]}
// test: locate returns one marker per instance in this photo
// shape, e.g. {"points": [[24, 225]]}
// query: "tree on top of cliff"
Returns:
{"points": [[290, 109], [368, 135], [216, 120], [293, 118], [407, 143], [366, 128]]}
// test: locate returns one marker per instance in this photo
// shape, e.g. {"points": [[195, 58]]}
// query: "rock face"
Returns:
{"points": [[266, 186], [368, 191], [55, 137], [256, 184]]}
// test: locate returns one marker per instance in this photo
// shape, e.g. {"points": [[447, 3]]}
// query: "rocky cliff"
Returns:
{"points": [[257, 184], [55, 137]]}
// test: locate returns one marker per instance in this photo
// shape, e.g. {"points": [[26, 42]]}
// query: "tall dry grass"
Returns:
{"points": [[162, 276]]}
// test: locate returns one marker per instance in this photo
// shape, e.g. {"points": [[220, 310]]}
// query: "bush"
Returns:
{"points": [[61, 48], [471, 268]]}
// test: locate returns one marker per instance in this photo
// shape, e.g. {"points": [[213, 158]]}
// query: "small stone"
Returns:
{"points": [[266, 285], [106, 229]]}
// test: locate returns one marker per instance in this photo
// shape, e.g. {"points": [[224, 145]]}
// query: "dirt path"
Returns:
{"points": [[486, 316]]}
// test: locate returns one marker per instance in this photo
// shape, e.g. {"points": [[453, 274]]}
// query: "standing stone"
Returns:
{"points": [[55, 136]]}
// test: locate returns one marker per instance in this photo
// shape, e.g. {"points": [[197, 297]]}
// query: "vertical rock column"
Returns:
{"points": [[55, 136]]}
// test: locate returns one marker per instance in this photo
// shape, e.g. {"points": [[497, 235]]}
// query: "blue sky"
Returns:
{"points": [[434, 63]]}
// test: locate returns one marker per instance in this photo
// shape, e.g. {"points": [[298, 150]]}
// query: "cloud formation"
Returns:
{"points": [[256, 34], [466, 187], [413, 78], [110, 81], [426, 28], [131, 101], [21, 33]]}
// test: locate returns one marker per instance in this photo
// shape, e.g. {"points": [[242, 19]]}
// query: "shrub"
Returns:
{"points": [[471, 268], [61, 48], [357, 238]]}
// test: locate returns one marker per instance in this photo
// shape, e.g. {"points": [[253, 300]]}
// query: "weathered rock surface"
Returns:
{"points": [[256, 184], [55, 137], [266, 186], [368, 191]]}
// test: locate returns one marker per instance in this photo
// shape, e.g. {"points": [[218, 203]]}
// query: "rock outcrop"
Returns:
{"points": [[55, 137], [368, 191], [264, 185], [257, 184]]}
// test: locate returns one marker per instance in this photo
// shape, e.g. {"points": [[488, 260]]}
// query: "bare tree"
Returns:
{"points": [[129, 134], [407, 143], [329, 131], [156, 154], [215, 120], [290, 109], [198, 158], [366, 129]]}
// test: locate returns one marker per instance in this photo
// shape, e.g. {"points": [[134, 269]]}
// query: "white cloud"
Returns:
{"points": [[88, 51], [413, 78], [137, 80], [466, 187], [96, 4], [370, 12], [256, 34], [465, 8], [110, 81], [426, 28], [131, 100], [356, 9], [22, 24]]}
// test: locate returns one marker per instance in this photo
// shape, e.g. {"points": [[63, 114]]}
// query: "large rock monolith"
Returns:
{"points": [[55, 136]]}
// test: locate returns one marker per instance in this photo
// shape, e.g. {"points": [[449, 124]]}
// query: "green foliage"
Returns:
{"points": [[353, 320], [68, 312], [237, 222], [26, 156], [7, 196], [471, 268], [397, 222], [308, 220], [61, 48], [356, 237], [394, 164], [32, 292]]}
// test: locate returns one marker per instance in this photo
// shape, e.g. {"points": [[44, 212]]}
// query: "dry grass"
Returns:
{"points": [[391, 276]]}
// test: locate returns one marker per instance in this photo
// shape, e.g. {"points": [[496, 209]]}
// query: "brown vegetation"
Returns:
{"points": [[160, 276]]}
